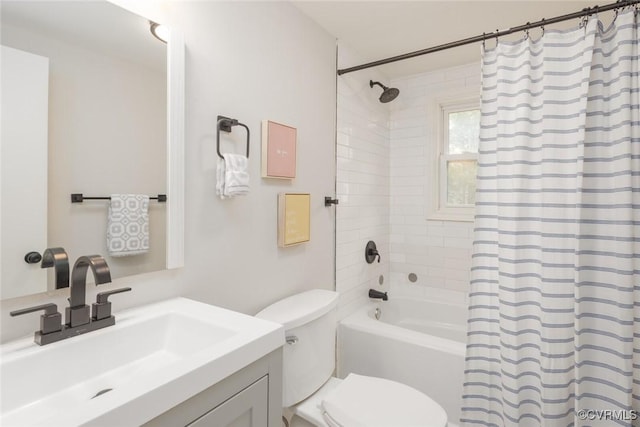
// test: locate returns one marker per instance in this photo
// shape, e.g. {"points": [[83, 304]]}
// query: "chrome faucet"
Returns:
{"points": [[59, 260], [77, 315], [78, 311]]}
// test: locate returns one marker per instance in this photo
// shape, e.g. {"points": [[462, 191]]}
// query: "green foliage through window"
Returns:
{"points": [[464, 131], [461, 180]]}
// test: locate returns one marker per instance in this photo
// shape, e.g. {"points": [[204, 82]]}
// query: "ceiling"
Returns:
{"points": [[381, 29], [98, 26]]}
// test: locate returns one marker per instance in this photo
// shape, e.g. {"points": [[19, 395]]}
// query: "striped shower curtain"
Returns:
{"points": [[554, 317]]}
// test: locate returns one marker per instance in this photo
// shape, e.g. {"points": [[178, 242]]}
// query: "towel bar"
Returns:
{"points": [[79, 198], [225, 124]]}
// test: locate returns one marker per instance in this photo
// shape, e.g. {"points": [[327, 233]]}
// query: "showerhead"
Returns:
{"points": [[388, 93]]}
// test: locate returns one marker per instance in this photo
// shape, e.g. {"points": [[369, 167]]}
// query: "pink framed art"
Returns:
{"points": [[278, 150]]}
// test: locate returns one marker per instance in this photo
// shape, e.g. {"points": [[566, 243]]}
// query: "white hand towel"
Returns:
{"points": [[232, 176], [128, 225]]}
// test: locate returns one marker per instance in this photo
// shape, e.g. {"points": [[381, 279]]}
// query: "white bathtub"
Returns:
{"points": [[417, 342]]}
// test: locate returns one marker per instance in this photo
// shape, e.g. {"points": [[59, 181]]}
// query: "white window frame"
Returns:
{"points": [[440, 210]]}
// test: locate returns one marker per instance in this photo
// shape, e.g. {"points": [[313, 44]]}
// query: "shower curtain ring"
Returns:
{"points": [[585, 17], [542, 26], [526, 31], [484, 39]]}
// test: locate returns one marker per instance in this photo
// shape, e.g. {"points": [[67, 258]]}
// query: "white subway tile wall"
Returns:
{"points": [[363, 185], [438, 252], [382, 163]]}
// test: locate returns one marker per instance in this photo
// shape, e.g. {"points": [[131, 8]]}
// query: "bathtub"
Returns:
{"points": [[420, 343]]}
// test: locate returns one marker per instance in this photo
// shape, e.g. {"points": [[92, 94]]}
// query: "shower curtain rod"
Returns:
{"points": [[495, 34]]}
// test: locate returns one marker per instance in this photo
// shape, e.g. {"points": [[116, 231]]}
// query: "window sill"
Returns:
{"points": [[451, 216]]}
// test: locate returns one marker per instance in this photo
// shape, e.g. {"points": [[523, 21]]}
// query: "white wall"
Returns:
{"points": [[251, 61], [438, 252], [255, 61], [362, 183]]}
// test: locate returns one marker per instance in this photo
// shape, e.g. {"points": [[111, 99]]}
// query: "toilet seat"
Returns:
{"points": [[363, 401]]}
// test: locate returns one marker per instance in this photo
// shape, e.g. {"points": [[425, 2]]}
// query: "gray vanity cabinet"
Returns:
{"points": [[246, 409], [251, 397]]}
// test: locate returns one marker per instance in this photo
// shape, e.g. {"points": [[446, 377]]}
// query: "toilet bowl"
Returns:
{"points": [[310, 391]]}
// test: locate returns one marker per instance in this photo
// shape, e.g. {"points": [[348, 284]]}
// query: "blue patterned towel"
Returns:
{"points": [[128, 226]]}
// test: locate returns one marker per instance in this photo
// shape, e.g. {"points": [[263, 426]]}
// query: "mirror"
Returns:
{"points": [[92, 103]]}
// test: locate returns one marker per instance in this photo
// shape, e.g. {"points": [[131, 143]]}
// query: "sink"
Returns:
{"points": [[152, 359]]}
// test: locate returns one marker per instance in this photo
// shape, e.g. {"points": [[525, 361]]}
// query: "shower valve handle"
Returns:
{"points": [[371, 252], [374, 253]]}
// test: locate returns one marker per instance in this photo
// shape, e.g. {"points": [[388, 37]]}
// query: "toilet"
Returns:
{"points": [[310, 391]]}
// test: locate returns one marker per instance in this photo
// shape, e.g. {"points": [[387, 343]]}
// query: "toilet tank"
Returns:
{"points": [[309, 320]]}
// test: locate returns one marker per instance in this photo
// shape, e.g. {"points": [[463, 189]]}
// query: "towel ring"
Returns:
{"points": [[225, 124]]}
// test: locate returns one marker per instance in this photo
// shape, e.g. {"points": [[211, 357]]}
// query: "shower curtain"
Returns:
{"points": [[554, 317]]}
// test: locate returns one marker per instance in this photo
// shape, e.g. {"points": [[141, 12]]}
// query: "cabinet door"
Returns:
{"points": [[245, 409]]}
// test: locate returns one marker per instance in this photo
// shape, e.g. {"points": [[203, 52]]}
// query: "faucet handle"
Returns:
{"points": [[50, 321], [102, 307]]}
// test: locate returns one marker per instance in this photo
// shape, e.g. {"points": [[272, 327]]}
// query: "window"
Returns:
{"points": [[457, 160]]}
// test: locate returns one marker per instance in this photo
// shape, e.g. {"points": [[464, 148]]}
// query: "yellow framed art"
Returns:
{"points": [[294, 218]]}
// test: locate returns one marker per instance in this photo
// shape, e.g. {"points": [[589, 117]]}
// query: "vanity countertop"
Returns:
{"points": [[153, 358]]}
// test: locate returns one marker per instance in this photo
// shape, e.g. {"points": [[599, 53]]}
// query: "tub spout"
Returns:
{"points": [[378, 295]]}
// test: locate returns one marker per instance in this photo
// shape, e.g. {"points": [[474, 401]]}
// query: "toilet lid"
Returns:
{"points": [[362, 401]]}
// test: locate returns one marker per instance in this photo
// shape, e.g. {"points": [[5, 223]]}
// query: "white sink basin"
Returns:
{"points": [[152, 359]]}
